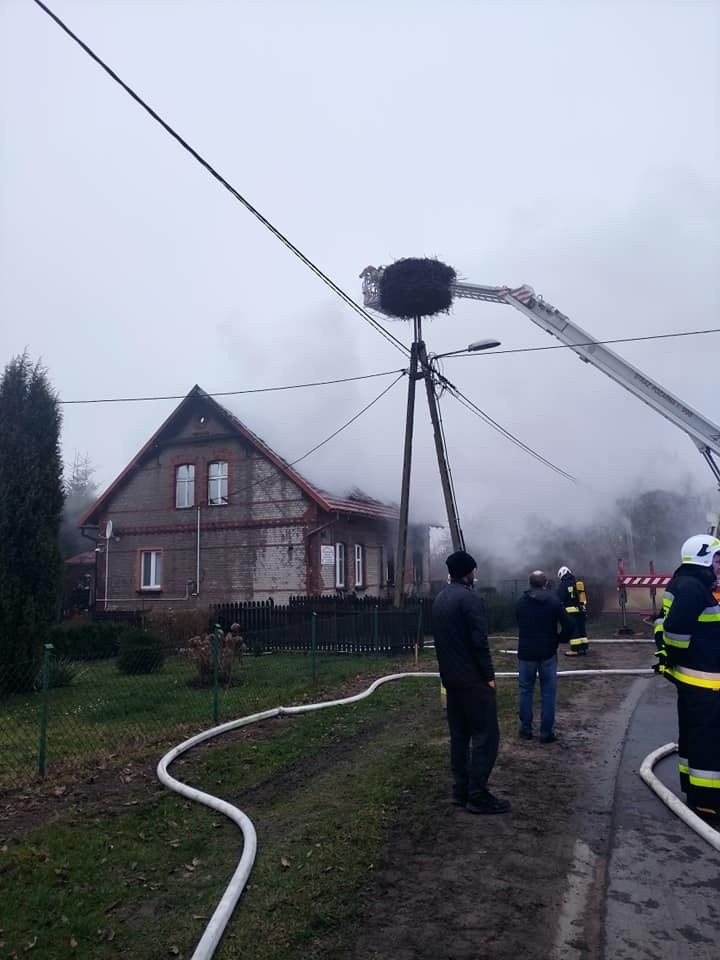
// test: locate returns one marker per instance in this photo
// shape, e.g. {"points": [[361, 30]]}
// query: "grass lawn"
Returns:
{"points": [[105, 712], [324, 790]]}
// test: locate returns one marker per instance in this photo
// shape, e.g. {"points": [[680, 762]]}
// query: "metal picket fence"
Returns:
{"points": [[97, 700]]}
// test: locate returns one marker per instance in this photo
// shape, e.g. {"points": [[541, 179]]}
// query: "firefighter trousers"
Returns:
{"points": [[579, 640], [699, 745]]}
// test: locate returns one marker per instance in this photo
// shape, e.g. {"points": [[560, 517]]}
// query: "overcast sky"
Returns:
{"points": [[571, 145]]}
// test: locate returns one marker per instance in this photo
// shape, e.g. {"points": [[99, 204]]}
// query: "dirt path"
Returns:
{"points": [[529, 884]]}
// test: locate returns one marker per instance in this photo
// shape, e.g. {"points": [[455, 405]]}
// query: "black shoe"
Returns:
{"points": [[525, 734], [487, 804], [458, 799], [550, 738]]}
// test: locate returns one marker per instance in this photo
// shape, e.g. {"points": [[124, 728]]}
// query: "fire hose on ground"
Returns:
{"points": [[216, 926]]}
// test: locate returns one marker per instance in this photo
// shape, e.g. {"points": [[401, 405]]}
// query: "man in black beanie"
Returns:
{"points": [[467, 673]]}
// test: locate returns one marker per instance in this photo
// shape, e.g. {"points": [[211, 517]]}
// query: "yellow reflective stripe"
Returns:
{"points": [[705, 778], [710, 615], [681, 640], [696, 678], [572, 609], [578, 641], [684, 768]]}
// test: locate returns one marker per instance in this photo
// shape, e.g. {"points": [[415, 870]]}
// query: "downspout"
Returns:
{"points": [[92, 539], [107, 568], [197, 557]]}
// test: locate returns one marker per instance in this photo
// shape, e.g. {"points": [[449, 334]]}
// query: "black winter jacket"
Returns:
{"points": [[539, 615], [461, 637]]}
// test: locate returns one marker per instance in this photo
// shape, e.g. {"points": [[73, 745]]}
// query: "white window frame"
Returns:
{"points": [[359, 565], [219, 478], [339, 565], [185, 486], [155, 579]]}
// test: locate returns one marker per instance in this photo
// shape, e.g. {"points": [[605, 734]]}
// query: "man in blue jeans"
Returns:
{"points": [[542, 624]]}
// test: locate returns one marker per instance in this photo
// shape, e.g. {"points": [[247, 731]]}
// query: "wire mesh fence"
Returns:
{"points": [[107, 690]]}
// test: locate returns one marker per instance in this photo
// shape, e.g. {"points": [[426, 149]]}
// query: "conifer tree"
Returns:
{"points": [[31, 502]]}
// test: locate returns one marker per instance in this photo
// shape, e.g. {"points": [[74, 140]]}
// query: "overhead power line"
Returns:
{"points": [[398, 344], [237, 393], [592, 343], [474, 408], [255, 483], [384, 373], [350, 421]]}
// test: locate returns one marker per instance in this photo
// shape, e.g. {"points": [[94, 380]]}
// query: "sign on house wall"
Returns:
{"points": [[327, 554]]}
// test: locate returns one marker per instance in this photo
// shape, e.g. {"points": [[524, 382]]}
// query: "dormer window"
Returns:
{"points": [[185, 486]]}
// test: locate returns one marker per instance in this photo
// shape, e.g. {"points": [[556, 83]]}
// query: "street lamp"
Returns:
{"points": [[474, 347]]}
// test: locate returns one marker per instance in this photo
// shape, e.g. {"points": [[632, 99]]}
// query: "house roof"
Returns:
{"points": [[357, 503]]}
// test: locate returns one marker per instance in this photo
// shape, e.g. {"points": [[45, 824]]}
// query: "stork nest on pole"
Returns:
{"points": [[416, 287]]}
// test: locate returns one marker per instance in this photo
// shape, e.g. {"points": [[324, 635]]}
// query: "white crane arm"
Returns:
{"points": [[704, 434]]}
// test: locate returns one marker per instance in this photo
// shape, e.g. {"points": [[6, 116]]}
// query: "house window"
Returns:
{"points": [[390, 569], [417, 566], [150, 569], [217, 483], [185, 486], [339, 565], [359, 565]]}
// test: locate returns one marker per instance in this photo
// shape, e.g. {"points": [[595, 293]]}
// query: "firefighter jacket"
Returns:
{"points": [[461, 637], [691, 629], [567, 592]]}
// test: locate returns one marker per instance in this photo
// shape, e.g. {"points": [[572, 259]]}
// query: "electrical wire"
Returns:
{"points": [[351, 420], [474, 408], [398, 344], [386, 373], [591, 343], [273, 476], [237, 393]]}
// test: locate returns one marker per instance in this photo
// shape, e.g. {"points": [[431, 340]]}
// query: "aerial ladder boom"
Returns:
{"points": [[704, 434]]}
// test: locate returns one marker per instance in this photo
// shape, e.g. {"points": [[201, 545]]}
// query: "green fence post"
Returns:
{"points": [[313, 646], [42, 746], [216, 664]]}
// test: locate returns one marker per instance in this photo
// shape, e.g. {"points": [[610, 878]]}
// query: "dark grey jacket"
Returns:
{"points": [[461, 637], [539, 615]]}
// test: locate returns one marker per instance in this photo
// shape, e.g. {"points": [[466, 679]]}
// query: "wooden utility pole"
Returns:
{"points": [[401, 553], [450, 506]]}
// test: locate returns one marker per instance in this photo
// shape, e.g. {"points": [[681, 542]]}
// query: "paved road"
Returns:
{"points": [[662, 895]]}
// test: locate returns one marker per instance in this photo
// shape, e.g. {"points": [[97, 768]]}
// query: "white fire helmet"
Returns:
{"points": [[562, 571], [700, 550]]}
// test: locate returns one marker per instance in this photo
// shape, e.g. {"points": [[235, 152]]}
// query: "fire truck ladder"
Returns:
{"points": [[704, 434]]}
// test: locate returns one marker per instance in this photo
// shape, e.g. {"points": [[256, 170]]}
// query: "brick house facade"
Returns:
{"points": [[208, 513]]}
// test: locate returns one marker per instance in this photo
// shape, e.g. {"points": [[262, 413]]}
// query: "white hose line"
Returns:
{"points": [[634, 671], [677, 806], [213, 932], [592, 643]]}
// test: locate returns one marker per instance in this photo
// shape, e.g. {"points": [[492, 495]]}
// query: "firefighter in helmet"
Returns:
{"points": [[691, 659], [572, 596]]}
